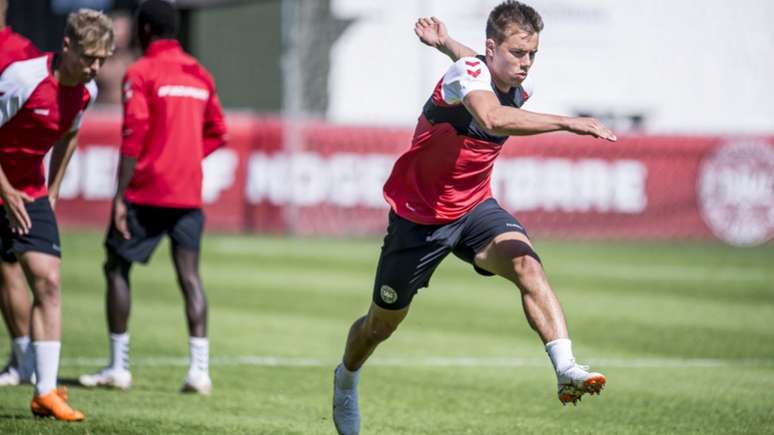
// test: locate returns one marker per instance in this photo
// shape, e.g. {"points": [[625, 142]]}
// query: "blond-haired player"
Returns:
{"points": [[42, 101]]}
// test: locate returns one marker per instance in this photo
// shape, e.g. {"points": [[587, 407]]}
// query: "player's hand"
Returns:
{"points": [[52, 201], [431, 31], [119, 218], [14, 204], [591, 127]]}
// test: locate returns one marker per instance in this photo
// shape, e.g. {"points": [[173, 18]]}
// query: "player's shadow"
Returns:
{"points": [[70, 382]]}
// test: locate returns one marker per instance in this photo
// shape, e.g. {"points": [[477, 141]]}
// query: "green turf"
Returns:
{"points": [[646, 304]]}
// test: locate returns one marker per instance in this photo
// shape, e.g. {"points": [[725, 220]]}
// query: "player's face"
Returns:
{"points": [[85, 62], [512, 58]]}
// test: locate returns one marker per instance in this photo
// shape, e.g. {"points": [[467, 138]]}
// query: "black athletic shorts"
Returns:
{"points": [[43, 236], [411, 251], [148, 224]]}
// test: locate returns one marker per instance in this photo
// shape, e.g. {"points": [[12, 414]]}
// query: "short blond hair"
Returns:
{"points": [[90, 29]]}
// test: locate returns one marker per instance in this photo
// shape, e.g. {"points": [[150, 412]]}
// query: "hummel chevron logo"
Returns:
{"points": [[474, 73], [472, 63]]}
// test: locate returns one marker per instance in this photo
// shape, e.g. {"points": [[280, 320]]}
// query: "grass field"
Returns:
{"points": [[684, 332]]}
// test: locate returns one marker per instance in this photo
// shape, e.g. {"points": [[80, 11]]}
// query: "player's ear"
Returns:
{"points": [[489, 47], [66, 45]]}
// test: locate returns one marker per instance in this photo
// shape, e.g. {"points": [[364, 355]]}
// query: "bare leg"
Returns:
{"points": [[187, 268], [15, 301], [42, 271], [118, 300], [118, 303], [365, 334], [504, 257]]}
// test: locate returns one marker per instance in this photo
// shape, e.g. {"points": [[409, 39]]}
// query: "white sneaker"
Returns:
{"points": [[108, 377], [9, 376], [577, 381], [198, 383], [346, 412]]}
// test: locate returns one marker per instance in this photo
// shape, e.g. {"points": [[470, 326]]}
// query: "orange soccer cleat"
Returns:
{"points": [[54, 405]]}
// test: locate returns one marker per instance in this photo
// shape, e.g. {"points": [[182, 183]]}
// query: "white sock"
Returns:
{"points": [[560, 352], [199, 348], [24, 358], [347, 380], [119, 351], [46, 365]]}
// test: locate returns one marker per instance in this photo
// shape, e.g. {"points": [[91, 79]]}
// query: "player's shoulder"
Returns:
{"points": [[139, 68], [27, 72], [470, 68], [195, 67]]}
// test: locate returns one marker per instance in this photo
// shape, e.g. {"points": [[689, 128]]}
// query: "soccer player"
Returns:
{"points": [[15, 302], [42, 101], [172, 120], [441, 202]]}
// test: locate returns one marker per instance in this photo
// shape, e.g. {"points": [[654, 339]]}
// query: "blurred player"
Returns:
{"points": [[15, 302], [441, 201], [42, 101], [172, 120]]}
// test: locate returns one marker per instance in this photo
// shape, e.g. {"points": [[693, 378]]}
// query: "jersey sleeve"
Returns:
{"points": [[91, 87], [214, 123], [466, 75], [136, 115], [17, 83]]}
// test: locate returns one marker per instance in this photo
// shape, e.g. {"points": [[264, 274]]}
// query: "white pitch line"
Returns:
{"points": [[279, 361]]}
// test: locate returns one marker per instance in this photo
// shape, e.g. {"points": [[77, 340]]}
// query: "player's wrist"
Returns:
{"points": [[444, 43], [566, 123], [6, 190]]}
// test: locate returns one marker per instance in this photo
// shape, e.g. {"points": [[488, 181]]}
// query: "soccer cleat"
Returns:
{"points": [[346, 412], [197, 383], [60, 391], [577, 381], [53, 405], [108, 377]]}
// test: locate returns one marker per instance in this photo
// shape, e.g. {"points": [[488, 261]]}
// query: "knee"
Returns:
{"points": [[528, 272], [115, 267], [47, 287]]}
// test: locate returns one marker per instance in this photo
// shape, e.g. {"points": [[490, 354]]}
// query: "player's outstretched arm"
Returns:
{"points": [[432, 32], [503, 120]]}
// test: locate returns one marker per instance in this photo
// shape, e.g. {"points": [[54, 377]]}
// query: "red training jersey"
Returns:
{"points": [[172, 120], [446, 172], [35, 112]]}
